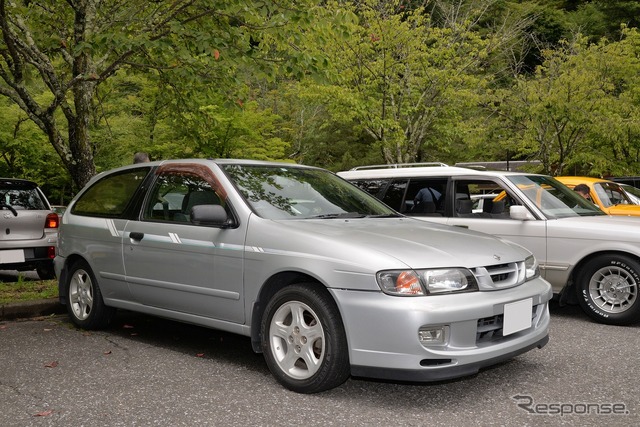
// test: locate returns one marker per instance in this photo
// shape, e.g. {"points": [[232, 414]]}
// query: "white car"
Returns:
{"points": [[586, 255], [326, 280]]}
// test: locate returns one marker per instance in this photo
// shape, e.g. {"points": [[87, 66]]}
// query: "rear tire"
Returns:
{"points": [[303, 339], [607, 290], [85, 305], [46, 272]]}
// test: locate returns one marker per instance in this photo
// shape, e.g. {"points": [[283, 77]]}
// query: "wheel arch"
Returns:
{"points": [[64, 272], [274, 284]]}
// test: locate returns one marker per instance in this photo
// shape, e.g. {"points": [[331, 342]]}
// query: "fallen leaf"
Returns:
{"points": [[51, 364], [47, 329], [200, 354], [43, 413], [107, 352], [216, 54]]}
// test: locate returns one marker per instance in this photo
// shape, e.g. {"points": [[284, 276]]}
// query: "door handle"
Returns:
{"points": [[136, 235]]}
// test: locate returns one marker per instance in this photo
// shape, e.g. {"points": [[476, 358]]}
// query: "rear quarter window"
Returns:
{"points": [[110, 196]]}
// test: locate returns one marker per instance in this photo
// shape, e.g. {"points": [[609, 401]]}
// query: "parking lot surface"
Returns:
{"points": [[146, 371]]}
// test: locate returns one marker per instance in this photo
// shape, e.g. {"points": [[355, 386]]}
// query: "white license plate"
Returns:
{"points": [[517, 316], [11, 256]]}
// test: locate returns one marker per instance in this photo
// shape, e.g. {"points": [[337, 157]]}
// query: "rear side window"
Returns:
{"points": [[375, 187], [175, 193], [394, 195], [110, 196]]}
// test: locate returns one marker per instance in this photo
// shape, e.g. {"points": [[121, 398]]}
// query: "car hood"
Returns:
{"points": [[385, 243], [601, 227], [627, 210]]}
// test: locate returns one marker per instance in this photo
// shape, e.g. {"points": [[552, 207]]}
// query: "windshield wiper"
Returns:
{"points": [[3, 205], [340, 215], [393, 215]]}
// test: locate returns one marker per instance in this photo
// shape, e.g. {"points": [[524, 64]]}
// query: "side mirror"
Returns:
{"points": [[214, 215], [520, 213]]}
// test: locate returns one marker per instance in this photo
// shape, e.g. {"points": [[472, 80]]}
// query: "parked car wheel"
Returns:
{"points": [[608, 290], [46, 272], [84, 299], [303, 340]]}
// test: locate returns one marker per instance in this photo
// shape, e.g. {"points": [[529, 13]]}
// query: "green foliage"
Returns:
{"points": [[579, 113], [332, 84]]}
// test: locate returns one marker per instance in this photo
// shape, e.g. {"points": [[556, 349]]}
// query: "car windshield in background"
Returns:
{"points": [[553, 198], [294, 193], [611, 194], [633, 193]]}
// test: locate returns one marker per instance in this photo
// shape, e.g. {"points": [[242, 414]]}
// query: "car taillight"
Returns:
{"points": [[51, 252], [52, 221]]}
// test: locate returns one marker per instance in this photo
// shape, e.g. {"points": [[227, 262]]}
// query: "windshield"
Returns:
{"points": [[553, 198], [280, 192], [633, 193], [611, 194]]}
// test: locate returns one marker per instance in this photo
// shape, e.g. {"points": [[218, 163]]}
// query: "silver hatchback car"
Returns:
{"points": [[29, 228], [326, 280]]}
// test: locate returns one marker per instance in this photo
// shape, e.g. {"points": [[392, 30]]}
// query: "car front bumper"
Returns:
{"points": [[382, 331]]}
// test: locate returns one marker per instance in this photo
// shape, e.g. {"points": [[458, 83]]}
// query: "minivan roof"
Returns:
{"points": [[363, 173]]}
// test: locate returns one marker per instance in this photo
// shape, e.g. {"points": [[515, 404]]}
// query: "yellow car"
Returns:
{"points": [[608, 195]]}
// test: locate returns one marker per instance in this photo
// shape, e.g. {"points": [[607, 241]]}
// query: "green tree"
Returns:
{"points": [[579, 113], [25, 153], [67, 49], [406, 83]]}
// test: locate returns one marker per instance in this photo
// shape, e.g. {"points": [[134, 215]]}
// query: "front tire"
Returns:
{"points": [[303, 339], [608, 290], [85, 305]]}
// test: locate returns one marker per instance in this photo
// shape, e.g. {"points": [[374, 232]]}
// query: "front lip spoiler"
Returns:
{"points": [[442, 374]]}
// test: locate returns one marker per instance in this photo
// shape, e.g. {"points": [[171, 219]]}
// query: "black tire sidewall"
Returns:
{"points": [[335, 365], [632, 315], [46, 272]]}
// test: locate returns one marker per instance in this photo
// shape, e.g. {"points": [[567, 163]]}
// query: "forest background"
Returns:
{"points": [[84, 84]]}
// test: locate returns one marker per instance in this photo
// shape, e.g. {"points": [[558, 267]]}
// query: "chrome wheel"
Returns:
{"points": [[613, 289], [81, 294], [297, 340]]}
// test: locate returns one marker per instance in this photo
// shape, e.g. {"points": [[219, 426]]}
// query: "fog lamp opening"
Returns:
{"points": [[429, 335]]}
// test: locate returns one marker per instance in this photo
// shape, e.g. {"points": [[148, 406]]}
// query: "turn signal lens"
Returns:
{"points": [[406, 283]]}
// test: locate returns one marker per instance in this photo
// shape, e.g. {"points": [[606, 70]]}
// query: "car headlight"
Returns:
{"points": [[532, 270], [427, 282]]}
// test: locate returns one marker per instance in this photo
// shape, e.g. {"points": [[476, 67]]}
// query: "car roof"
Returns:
{"points": [[575, 180], [395, 172], [18, 182], [201, 161]]}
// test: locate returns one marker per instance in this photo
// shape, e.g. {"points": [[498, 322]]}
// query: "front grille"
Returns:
{"points": [[500, 276], [490, 328]]}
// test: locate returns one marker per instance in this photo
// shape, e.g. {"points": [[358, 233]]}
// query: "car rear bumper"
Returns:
{"points": [[33, 258]]}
